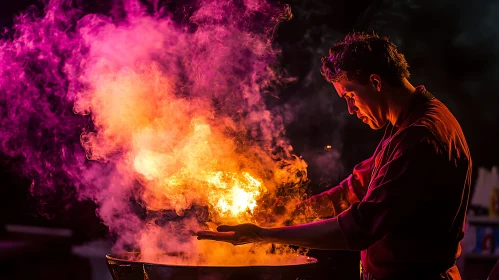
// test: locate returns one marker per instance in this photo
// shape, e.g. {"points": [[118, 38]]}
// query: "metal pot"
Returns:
{"points": [[123, 267]]}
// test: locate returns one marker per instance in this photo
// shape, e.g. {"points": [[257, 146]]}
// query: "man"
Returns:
{"points": [[404, 208]]}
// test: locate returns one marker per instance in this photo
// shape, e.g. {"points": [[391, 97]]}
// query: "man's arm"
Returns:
{"points": [[337, 199], [325, 234]]}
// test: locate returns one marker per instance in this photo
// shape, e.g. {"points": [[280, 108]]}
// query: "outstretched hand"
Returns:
{"points": [[237, 235]]}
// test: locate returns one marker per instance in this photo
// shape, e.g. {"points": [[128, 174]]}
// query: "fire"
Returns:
{"points": [[200, 169], [230, 194], [234, 194]]}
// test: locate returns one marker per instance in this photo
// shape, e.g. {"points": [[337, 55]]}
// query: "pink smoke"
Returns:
{"points": [[86, 96]]}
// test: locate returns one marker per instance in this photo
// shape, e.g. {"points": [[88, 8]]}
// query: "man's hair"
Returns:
{"points": [[360, 54]]}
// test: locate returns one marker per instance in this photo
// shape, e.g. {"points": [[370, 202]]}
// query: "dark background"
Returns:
{"points": [[451, 46]]}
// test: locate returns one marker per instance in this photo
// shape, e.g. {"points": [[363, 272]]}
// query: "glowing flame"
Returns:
{"points": [[231, 195], [235, 194], [200, 168]]}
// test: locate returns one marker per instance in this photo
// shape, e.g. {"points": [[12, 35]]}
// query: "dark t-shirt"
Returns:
{"points": [[407, 203]]}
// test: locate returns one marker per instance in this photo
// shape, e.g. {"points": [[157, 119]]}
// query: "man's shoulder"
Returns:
{"points": [[437, 128], [417, 134], [436, 117]]}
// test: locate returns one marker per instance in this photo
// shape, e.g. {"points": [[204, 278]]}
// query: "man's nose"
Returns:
{"points": [[351, 106]]}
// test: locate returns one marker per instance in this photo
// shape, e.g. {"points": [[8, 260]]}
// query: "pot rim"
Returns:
{"points": [[307, 262]]}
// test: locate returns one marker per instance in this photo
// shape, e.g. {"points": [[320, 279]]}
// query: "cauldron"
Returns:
{"points": [[123, 267]]}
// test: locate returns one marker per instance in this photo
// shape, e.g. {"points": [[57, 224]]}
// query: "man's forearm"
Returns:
{"points": [[325, 234], [326, 204]]}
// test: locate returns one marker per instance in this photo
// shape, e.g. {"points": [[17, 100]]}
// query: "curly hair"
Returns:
{"points": [[360, 54]]}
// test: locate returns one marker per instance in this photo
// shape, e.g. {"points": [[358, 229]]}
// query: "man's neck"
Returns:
{"points": [[399, 100]]}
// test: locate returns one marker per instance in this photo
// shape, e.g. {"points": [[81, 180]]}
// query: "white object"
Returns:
{"points": [[487, 180]]}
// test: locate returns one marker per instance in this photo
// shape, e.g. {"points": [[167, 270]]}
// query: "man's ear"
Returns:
{"points": [[375, 81]]}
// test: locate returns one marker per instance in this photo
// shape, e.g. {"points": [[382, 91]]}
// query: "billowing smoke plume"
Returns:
{"points": [[150, 115]]}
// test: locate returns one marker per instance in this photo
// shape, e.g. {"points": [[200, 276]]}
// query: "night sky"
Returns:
{"points": [[451, 46]]}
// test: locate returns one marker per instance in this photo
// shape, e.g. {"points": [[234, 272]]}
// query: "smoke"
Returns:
{"points": [[151, 116], [314, 116], [38, 126]]}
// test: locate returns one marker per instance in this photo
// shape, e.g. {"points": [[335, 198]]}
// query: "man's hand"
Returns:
{"points": [[237, 235]]}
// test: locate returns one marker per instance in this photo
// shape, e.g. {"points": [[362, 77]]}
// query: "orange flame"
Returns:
{"points": [[179, 147], [198, 164], [234, 194]]}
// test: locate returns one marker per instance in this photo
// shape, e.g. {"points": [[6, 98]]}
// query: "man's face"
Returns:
{"points": [[365, 101]]}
